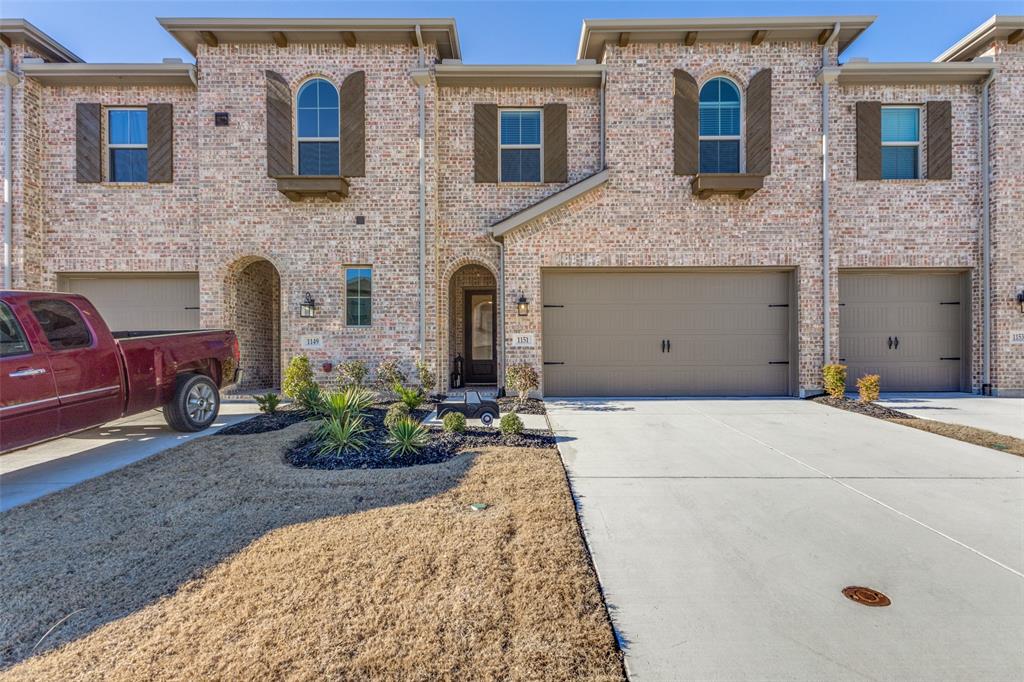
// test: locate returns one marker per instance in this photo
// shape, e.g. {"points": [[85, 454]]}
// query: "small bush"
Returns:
{"points": [[522, 379], [338, 435], [412, 397], [408, 437], [311, 400], [869, 386], [834, 376], [342, 405], [389, 374], [454, 422], [510, 424], [352, 373], [426, 376], [268, 402], [297, 376], [396, 413]]}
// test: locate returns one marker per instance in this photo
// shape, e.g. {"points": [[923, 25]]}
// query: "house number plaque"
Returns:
{"points": [[522, 341]]}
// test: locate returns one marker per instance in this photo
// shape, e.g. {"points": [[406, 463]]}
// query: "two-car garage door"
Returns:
{"points": [[666, 332], [160, 301]]}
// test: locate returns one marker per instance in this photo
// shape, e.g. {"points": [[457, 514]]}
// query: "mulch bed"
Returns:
{"points": [[532, 406], [869, 409], [263, 423]]}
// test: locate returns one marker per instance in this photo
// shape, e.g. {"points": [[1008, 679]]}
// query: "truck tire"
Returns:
{"points": [[486, 417], [195, 404]]}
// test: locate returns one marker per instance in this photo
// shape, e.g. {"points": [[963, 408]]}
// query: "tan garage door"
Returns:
{"points": [[140, 302], [666, 333], [906, 327]]}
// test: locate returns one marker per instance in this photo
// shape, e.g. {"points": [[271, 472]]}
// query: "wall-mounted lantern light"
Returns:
{"points": [[308, 306], [1020, 299], [522, 306]]}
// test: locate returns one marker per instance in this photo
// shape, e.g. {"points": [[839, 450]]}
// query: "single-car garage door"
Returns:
{"points": [[651, 333], [907, 327], [164, 301]]}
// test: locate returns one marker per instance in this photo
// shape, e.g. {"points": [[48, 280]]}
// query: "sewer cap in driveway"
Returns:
{"points": [[866, 596]]}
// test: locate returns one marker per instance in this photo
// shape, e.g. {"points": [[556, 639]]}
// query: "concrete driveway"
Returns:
{"points": [[723, 532], [42, 469], [1001, 415]]}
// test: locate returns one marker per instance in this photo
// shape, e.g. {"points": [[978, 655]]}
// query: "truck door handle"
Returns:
{"points": [[27, 372], [890, 343]]}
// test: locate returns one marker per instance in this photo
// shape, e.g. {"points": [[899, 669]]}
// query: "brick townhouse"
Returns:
{"points": [[696, 206]]}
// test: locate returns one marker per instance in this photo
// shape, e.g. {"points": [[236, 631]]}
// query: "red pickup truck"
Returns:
{"points": [[62, 370]]}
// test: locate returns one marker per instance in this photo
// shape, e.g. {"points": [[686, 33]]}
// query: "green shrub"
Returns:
{"points": [[396, 413], [454, 422], [426, 376], [352, 373], [311, 400], [834, 376], [352, 402], [869, 386], [389, 374], [408, 437], [338, 435], [268, 402], [522, 379], [297, 376], [412, 397], [510, 424]]}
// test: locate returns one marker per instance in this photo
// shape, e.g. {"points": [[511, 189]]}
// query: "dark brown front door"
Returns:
{"points": [[480, 321]]}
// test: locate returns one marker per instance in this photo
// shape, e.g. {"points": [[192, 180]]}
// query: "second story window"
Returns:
{"points": [[127, 150], [720, 127], [318, 126], [901, 143], [519, 133]]}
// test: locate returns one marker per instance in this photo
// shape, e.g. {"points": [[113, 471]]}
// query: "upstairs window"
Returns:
{"points": [[127, 149], [318, 126], [357, 296], [901, 143], [719, 127], [519, 133]]}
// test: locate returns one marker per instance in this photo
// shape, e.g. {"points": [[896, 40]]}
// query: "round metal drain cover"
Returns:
{"points": [[866, 596]]}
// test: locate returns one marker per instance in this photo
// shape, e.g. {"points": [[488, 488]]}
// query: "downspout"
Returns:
{"points": [[986, 246], [826, 234], [9, 79], [421, 63], [604, 79], [501, 311]]}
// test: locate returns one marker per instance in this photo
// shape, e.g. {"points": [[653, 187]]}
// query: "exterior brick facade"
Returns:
{"points": [[256, 253]]}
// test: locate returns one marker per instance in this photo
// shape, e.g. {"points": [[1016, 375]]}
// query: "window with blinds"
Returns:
{"points": [[901, 142], [519, 133], [720, 127]]}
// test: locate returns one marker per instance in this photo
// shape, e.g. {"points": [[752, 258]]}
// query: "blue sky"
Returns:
{"points": [[498, 31]]}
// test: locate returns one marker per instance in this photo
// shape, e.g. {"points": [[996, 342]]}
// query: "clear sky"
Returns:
{"points": [[495, 31]]}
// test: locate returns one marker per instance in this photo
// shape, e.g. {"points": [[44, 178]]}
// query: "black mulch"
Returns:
{"points": [[532, 406], [262, 423], [870, 409], [303, 453]]}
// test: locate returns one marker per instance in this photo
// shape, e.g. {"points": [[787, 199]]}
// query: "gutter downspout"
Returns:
{"points": [[604, 80], [501, 311], [422, 334], [9, 78], [986, 246], [826, 235]]}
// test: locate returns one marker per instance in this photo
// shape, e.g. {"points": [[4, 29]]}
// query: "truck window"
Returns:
{"points": [[61, 322], [12, 338]]}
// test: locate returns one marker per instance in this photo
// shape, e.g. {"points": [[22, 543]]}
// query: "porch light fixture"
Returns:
{"points": [[522, 306], [308, 306]]}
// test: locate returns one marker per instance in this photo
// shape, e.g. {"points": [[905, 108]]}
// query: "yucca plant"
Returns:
{"points": [[408, 437], [412, 397], [268, 402], [338, 435], [351, 402], [311, 399]]}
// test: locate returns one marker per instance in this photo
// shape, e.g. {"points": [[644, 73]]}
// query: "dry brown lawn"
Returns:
{"points": [[968, 434], [216, 560]]}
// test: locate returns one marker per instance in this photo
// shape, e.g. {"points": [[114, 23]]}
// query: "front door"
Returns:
{"points": [[480, 320]]}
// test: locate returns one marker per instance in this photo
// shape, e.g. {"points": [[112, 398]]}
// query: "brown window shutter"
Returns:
{"points": [[279, 125], [160, 142], [759, 123], [353, 125], [88, 143], [869, 140], [555, 143], [485, 143], [685, 123], [940, 140]]}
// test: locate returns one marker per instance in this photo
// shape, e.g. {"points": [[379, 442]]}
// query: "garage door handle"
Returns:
{"points": [[897, 342], [663, 345], [669, 344], [890, 343]]}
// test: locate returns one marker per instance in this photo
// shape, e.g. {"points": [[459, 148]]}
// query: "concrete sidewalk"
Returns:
{"points": [[1001, 415], [42, 469]]}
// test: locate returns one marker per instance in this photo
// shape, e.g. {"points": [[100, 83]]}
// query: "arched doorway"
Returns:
{"points": [[472, 324], [253, 310]]}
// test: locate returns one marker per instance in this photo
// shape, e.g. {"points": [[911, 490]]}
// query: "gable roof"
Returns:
{"points": [[23, 32], [549, 203], [999, 27]]}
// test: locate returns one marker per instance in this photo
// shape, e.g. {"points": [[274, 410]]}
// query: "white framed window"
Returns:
{"points": [[901, 142], [127, 145], [358, 295], [519, 136], [318, 126], [721, 127]]}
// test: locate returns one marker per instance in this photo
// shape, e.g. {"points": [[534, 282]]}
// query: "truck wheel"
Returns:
{"points": [[195, 404], [487, 418]]}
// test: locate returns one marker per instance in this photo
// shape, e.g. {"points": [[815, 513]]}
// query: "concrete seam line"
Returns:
{"points": [[867, 496]]}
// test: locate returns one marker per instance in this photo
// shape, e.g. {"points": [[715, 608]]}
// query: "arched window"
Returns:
{"points": [[318, 128], [719, 127]]}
